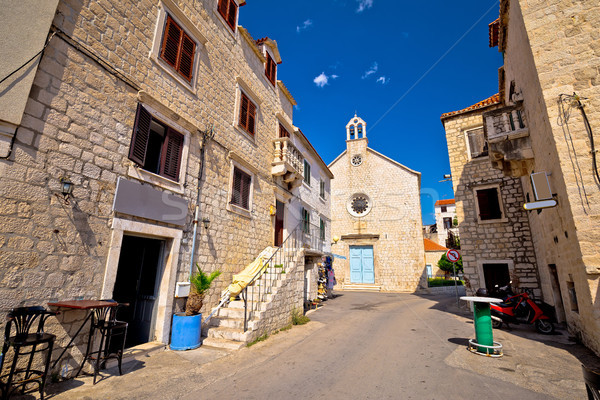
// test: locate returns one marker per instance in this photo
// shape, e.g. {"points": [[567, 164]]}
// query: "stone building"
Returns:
{"points": [[166, 116], [495, 238], [376, 213], [445, 212], [433, 253], [550, 99]]}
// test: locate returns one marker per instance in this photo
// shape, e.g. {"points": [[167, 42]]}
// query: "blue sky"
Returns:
{"points": [[398, 64]]}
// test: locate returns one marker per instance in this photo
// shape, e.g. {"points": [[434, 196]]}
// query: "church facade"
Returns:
{"points": [[376, 219]]}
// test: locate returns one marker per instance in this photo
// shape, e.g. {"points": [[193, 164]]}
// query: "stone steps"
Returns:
{"points": [[222, 343], [361, 287]]}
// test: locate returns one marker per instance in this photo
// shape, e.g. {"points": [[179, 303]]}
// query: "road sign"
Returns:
{"points": [[453, 255]]}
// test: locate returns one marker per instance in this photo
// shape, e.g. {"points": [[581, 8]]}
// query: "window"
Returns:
{"points": [[247, 114], [178, 49], [444, 208], [228, 10], [322, 229], [447, 223], [307, 172], [270, 69], [322, 189], [477, 145], [240, 192], [155, 146], [488, 203], [305, 220], [283, 132], [359, 205], [496, 274], [572, 296]]}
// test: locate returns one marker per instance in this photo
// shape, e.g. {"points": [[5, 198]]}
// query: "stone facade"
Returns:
{"points": [[392, 224], [505, 242], [101, 63], [551, 51], [450, 212]]}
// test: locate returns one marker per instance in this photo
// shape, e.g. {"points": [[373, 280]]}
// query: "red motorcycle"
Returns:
{"points": [[520, 309]]}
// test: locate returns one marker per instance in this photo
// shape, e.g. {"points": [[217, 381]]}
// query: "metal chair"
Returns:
{"points": [[113, 334], [23, 321], [592, 383]]}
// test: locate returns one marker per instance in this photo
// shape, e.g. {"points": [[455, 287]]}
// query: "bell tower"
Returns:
{"points": [[356, 139], [356, 128]]}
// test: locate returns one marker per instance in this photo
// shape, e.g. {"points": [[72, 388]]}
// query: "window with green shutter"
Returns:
{"points": [[305, 220], [307, 172], [322, 189], [322, 229]]}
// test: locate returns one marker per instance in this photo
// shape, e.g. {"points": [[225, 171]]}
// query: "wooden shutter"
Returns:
{"points": [[283, 132], [232, 14], [171, 155], [222, 7], [186, 57], [270, 68], [244, 111], [139, 138], [251, 116], [240, 193], [171, 42], [246, 180]]}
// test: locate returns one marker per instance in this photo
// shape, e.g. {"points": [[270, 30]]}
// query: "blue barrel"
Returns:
{"points": [[186, 332]]}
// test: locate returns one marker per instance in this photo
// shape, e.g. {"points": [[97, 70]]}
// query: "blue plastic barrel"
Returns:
{"points": [[186, 332]]}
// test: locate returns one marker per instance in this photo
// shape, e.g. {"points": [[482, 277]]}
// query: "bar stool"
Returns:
{"points": [[23, 320], [112, 338]]}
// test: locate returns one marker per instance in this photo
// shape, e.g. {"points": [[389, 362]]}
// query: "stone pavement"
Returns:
{"points": [[549, 365]]}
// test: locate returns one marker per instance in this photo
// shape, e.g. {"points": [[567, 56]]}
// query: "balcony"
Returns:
{"points": [[288, 162], [508, 140]]}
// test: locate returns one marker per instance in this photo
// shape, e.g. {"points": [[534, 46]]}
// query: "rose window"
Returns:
{"points": [[356, 160], [359, 205]]}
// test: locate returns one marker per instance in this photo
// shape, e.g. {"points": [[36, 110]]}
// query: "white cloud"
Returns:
{"points": [[321, 80], [334, 76], [363, 5], [383, 80], [304, 25], [370, 71]]}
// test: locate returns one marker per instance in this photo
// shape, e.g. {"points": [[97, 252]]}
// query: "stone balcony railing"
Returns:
{"points": [[288, 162], [509, 144]]}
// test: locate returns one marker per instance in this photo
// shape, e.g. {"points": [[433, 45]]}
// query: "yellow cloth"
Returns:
{"points": [[241, 280]]}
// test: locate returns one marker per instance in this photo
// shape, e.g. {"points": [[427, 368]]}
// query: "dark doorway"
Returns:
{"points": [[558, 304], [496, 274], [138, 276], [279, 212]]}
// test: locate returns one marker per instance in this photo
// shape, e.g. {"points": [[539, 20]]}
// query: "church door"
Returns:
{"points": [[361, 264]]}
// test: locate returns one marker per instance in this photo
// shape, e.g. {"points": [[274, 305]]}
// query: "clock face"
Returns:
{"points": [[356, 160]]}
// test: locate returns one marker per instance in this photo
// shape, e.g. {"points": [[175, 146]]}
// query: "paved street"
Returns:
{"points": [[363, 346]]}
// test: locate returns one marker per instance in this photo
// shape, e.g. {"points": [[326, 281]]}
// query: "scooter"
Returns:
{"points": [[517, 309]]}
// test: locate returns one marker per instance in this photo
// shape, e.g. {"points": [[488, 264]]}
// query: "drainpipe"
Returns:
{"points": [[206, 136]]}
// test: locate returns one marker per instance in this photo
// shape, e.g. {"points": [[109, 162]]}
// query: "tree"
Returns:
{"points": [[448, 267]]}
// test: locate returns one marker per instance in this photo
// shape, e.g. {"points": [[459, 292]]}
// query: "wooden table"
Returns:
{"points": [[80, 305]]}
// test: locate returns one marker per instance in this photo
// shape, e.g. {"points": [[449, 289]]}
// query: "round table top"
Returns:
{"points": [[478, 299]]}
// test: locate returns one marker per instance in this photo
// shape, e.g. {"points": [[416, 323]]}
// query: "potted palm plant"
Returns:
{"points": [[187, 326]]}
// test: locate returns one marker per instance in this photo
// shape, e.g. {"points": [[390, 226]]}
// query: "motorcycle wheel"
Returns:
{"points": [[496, 324], [544, 326]]}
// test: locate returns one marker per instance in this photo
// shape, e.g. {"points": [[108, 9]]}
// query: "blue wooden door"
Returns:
{"points": [[361, 264]]}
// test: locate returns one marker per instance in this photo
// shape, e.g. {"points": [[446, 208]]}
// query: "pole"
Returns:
{"points": [[455, 287]]}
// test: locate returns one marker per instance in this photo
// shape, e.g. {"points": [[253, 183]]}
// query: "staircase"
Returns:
{"points": [[266, 299]]}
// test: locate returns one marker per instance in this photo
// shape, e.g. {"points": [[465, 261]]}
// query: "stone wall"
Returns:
{"points": [[394, 222], [552, 48], [432, 258], [507, 240]]}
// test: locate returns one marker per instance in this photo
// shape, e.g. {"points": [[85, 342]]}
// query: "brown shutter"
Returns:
{"points": [[236, 190], [246, 179], [244, 111], [171, 155], [186, 57], [139, 138], [232, 14], [251, 116], [171, 42], [283, 132], [222, 7]]}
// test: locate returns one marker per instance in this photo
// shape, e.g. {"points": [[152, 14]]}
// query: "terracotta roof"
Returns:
{"points": [[494, 30], [444, 202], [430, 245], [490, 101]]}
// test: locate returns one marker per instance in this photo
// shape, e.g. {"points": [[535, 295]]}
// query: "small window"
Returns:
{"points": [[247, 118], [447, 223], [478, 146], [572, 296], [489, 204], [305, 220], [322, 229], [240, 193], [307, 172], [283, 132], [155, 146], [444, 208], [228, 10], [496, 274], [270, 69], [322, 189], [178, 49]]}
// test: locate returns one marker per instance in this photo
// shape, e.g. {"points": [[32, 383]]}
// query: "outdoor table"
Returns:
{"points": [[80, 305], [482, 319]]}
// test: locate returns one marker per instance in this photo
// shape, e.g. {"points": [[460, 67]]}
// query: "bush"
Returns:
{"points": [[298, 318], [437, 282]]}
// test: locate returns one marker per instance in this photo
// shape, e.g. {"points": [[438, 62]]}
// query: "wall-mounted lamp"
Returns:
{"points": [[66, 187], [335, 239], [206, 222], [272, 210]]}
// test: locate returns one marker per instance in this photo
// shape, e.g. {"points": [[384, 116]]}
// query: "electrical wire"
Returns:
{"points": [[30, 60], [588, 128]]}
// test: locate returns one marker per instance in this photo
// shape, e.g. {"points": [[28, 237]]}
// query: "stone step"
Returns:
{"points": [[361, 287], [237, 323], [229, 334], [222, 343]]}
